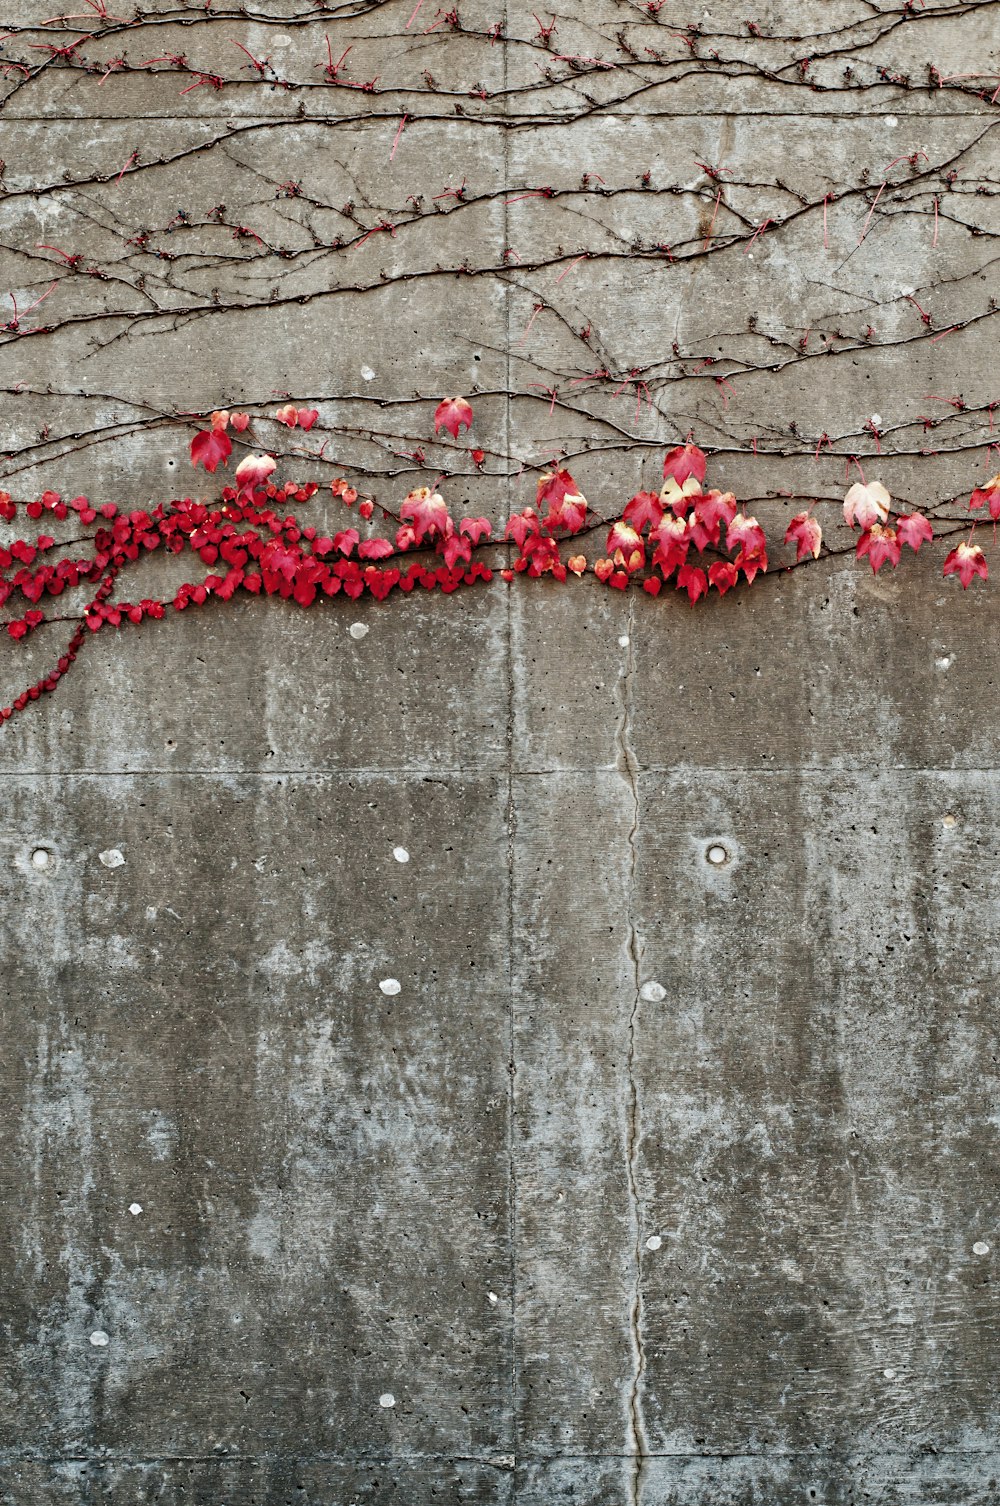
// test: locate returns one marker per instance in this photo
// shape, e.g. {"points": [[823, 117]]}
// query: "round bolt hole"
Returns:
{"points": [[41, 858], [717, 855]]}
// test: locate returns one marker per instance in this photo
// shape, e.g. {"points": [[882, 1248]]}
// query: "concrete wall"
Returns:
{"points": [[728, 1239]]}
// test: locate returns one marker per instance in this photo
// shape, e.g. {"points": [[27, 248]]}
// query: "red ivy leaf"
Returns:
{"points": [[374, 549], [521, 525], [723, 575], [693, 581], [914, 529], [624, 537], [346, 541], [866, 505], [987, 496], [253, 471], [644, 510], [965, 562], [804, 531], [710, 512], [476, 528], [210, 448], [684, 461], [880, 544], [451, 414], [427, 510]]}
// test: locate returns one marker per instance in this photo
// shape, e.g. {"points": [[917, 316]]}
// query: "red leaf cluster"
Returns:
{"points": [[699, 541]]}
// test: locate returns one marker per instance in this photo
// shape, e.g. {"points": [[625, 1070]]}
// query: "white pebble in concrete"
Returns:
{"points": [[980, 1247], [492, 1298], [387, 1399], [623, 641], [111, 857], [401, 855], [717, 855], [135, 1209], [99, 1339], [358, 630], [889, 1374], [653, 992], [41, 858], [368, 374], [653, 1242], [390, 986]]}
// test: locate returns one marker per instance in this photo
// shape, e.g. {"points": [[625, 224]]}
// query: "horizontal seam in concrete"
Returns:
{"points": [[854, 1457], [479, 771]]}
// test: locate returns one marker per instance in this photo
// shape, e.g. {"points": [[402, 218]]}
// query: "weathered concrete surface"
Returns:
{"points": [[658, 1183]]}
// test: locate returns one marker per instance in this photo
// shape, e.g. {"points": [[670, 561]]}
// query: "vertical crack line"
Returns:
{"points": [[511, 822], [628, 766]]}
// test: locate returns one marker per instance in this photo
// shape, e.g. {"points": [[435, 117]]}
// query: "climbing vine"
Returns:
{"points": [[325, 164], [698, 540]]}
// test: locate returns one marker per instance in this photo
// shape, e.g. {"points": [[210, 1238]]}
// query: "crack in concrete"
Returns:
{"points": [[628, 765]]}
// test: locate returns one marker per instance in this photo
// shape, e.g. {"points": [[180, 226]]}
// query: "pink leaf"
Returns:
{"points": [[451, 414], [475, 528], [427, 510], [253, 471], [880, 544], [965, 562], [804, 531], [987, 495], [866, 504], [521, 525], [914, 529], [624, 537]]}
